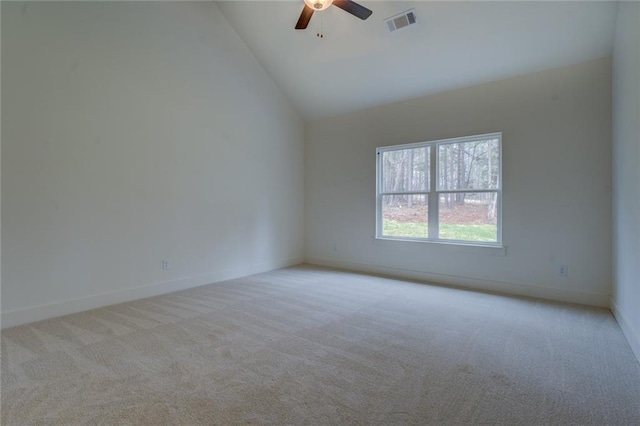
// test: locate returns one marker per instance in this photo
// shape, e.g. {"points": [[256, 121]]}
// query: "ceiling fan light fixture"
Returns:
{"points": [[318, 5]]}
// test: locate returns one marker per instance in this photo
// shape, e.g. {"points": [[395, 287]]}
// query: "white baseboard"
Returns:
{"points": [[632, 335], [37, 313], [549, 293]]}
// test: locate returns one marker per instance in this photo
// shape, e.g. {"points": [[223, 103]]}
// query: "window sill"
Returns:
{"points": [[450, 246]]}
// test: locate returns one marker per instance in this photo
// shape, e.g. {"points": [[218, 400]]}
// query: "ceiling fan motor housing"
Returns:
{"points": [[318, 4], [312, 6]]}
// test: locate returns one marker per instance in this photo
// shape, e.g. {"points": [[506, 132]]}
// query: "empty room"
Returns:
{"points": [[319, 212]]}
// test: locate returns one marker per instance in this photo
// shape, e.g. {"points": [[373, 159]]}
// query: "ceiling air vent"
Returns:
{"points": [[401, 20]]}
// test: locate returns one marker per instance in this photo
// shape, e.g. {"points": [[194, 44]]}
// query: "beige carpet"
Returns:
{"points": [[312, 346]]}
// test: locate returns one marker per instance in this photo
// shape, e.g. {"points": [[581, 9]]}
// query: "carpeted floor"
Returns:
{"points": [[313, 346]]}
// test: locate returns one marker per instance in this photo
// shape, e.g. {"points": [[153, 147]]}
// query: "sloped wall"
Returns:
{"points": [[135, 132]]}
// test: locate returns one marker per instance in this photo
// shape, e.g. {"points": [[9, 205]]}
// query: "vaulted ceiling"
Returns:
{"points": [[359, 64]]}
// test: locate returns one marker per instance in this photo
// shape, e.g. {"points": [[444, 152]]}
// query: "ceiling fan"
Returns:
{"points": [[349, 6]]}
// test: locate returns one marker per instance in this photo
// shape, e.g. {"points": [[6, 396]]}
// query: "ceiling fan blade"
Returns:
{"points": [[353, 8], [305, 17]]}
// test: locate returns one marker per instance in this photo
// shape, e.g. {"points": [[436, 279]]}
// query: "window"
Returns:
{"points": [[446, 191]]}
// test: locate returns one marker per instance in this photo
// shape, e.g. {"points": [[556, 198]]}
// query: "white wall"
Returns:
{"points": [[626, 172], [135, 132], [557, 185]]}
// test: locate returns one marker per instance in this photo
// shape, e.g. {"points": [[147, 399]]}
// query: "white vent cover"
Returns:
{"points": [[401, 20]]}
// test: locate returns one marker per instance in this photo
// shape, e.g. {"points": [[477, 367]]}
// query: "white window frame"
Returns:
{"points": [[433, 194]]}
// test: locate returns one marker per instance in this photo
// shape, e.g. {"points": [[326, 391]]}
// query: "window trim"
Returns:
{"points": [[433, 192]]}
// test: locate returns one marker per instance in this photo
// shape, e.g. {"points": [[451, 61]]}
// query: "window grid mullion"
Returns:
{"points": [[379, 195], [433, 195], [405, 193], [458, 191]]}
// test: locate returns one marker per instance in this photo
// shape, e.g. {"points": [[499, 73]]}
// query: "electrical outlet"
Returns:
{"points": [[165, 264], [563, 271]]}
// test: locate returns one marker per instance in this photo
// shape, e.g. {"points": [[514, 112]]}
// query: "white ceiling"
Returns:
{"points": [[455, 44]]}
